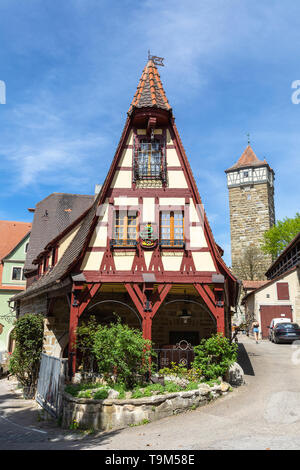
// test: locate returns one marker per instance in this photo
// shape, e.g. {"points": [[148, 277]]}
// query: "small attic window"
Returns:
{"points": [[149, 161], [26, 247], [246, 174]]}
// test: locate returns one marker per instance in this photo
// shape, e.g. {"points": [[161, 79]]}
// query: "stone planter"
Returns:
{"points": [[104, 415]]}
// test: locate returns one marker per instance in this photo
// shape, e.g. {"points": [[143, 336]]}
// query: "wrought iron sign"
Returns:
{"points": [[148, 235]]}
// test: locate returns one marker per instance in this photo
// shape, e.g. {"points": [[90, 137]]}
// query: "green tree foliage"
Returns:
{"points": [[249, 264], [122, 352], [25, 360], [280, 235], [214, 356], [85, 335]]}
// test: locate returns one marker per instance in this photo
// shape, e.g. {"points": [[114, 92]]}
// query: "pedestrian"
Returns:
{"points": [[255, 327]]}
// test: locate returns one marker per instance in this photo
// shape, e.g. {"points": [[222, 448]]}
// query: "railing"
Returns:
{"points": [[116, 242], [172, 243], [51, 383], [165, 356]]}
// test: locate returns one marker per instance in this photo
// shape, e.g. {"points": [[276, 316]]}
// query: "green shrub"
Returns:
{"points": [[180, 370], [84, 341], [101, 394], [192, 386], [25, 360], [83, 390], [171, 387], [156, 388], [122, 352], [137, 394], [214, 356], [84, 394], [121, 388]]}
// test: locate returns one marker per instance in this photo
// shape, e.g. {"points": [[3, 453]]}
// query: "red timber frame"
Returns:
{"points": [[147, 303], [216, 307], [80, 298]]}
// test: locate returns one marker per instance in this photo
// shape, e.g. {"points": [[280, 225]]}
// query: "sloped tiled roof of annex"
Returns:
{"points": [[253, 284], [11, 233], [150, 92], [72, 253], [247, 159], [53, 215]]}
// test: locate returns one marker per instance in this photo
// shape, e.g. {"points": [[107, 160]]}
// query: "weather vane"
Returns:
{"points": [[248, 135], [156, 60]]}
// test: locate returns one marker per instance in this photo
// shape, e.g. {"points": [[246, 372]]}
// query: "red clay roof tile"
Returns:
{"points": [[150, 92], [11, 233]]}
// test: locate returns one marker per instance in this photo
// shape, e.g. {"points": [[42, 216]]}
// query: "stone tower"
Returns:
{"points": [[251, 199]]}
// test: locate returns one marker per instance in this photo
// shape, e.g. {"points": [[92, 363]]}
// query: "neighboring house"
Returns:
{"points": [[246, 287], [144, 250], [14, 238], [280, 295], [52, 215]]}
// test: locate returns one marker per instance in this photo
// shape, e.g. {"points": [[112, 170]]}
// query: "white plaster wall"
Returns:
{"points": [[99, 238], [122, 179], [260, 297], [197, 238], [126, 201], [203, 261], [177, 179], [148, 209], [171, 262], [123, 263], [148, 256], [126, 159], [65, 242], [172, 158], [92, 261], [130, 139], [171, 201]]}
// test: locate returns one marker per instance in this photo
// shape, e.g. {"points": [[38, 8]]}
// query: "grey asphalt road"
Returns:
{"points": [[263, 414]]}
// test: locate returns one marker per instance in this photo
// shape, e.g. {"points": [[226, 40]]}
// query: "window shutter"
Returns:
{"points": [[283, 291]]}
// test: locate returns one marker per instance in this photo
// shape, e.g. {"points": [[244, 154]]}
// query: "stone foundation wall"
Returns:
{"points": [[56, 328], [104, 415]]}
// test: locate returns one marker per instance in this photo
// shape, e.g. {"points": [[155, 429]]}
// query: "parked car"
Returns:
{"points": [[285, 332], [274, 322]]}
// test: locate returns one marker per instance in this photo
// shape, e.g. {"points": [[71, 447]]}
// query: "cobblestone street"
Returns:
{"points": [[263, 414]]}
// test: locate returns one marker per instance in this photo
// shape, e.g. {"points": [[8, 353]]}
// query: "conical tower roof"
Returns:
{"points": [[247, 159], [150, 92]]}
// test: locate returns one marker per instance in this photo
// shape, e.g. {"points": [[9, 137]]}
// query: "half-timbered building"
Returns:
{"points": [[144, 250]]}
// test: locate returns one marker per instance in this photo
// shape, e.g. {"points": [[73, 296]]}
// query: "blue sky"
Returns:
{"points": [[71, 69]]}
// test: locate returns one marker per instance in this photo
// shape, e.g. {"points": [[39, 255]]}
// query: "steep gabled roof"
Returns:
{"points": [[75, 251], [150, 92], [248, 159], [52, 216], [11, 233], [72, 253]]}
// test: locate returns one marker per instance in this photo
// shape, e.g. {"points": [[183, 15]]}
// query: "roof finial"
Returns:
{"points": [[248, 135], [156, 60]]}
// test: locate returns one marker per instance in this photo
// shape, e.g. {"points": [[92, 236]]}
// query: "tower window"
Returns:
{"points": [[246, 174]]}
